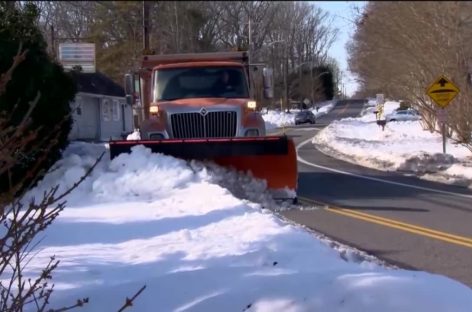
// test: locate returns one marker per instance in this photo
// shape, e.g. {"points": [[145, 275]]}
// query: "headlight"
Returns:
{"points": [[251, 104], [154, 109]]}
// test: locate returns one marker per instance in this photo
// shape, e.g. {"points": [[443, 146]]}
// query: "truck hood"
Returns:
{"points": [[207, 102]]}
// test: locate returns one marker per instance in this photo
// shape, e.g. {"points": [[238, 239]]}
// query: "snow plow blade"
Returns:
{"points": [[272, 158]]}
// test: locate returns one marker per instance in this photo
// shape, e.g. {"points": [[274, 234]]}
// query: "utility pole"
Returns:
{"points": [[285, 75], [177, 35], [250, 41], [312, 89], [337, 84], [139, 110], [249, 58], [53, 43], [300, 84], [145, 27], [282, 69]]}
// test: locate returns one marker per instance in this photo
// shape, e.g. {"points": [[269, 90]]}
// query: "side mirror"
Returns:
{"points": [[268, 82], [129, 84]]}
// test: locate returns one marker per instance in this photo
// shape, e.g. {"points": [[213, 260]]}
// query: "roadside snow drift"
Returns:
{"points": [[277, 119], [149, 219], [403, 146]]}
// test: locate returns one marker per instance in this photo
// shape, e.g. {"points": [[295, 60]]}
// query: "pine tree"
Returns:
{"points": [[36, 76]]}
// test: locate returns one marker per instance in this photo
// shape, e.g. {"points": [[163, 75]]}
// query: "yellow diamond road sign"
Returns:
{"points": [[442, 91]]}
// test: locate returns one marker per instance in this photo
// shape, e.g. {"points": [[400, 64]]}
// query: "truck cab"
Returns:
{"points": [[194, 96]]}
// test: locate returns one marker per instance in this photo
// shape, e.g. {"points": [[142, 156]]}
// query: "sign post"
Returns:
{"points": [[442, 91], [78, 54], [441, 114], [380, 101]]}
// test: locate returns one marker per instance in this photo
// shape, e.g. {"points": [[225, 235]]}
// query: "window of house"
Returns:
{"points": [[78, 106], [106, 109], [116, 110]]}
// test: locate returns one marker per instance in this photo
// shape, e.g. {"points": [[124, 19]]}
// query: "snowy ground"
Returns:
{"points": [[148, 219], [404, 146], [276, 119]]}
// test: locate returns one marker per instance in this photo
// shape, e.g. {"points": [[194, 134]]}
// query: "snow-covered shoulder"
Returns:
{"points": [[148, 219], [403, 146], [277, 118]]}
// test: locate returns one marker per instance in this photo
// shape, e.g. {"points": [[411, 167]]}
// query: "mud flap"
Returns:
{"points": [[272, 158]]}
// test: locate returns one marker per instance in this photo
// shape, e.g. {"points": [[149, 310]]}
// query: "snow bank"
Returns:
{"points": [[403, 146], [371, 102], [136, 135], [148, 219], [324, 108], [277, 119]]}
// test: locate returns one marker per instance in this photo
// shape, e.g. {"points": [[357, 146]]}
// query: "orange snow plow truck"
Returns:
{"points": [[200, 106]]}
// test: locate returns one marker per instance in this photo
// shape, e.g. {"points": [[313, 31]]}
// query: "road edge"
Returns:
{"points": [[370, 164]]}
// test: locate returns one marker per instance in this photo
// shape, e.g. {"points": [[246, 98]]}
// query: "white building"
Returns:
{"points": [[100, 111]]}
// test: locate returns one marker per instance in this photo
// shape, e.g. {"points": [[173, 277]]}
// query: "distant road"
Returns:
{"points": [[413, 223]]}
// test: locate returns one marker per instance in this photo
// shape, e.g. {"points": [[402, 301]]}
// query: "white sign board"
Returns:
{"points": [[78, 54], [442, 115], [380, 99]]}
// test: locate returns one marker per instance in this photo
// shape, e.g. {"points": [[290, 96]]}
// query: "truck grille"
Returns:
{"points": [[212, 125]]}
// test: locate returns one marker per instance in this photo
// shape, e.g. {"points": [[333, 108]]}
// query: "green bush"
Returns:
{"points": [[37, 73]]}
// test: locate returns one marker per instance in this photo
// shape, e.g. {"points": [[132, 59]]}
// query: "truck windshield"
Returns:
{"points": [[184, 83]]}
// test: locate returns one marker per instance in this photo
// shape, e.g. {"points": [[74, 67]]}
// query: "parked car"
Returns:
{"points": [[305, 116], [402, 115]]}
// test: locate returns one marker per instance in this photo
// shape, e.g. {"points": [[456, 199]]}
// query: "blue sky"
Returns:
{"points": [[342, 12]]}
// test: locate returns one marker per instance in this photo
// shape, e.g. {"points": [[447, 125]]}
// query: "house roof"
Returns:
{"points": [[97, 83]]}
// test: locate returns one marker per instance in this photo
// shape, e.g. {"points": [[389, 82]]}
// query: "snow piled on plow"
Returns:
{"points": [[149, 219], [135, 135]]}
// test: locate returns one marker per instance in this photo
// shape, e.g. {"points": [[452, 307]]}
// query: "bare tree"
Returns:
{"points": [[283, 34], [400, 49]]}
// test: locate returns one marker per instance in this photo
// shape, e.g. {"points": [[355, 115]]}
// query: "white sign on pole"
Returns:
{"points": [[442, 115], [78, 54], [380, 99]]}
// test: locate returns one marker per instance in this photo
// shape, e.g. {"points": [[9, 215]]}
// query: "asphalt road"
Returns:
{"points": [[412, 223]]}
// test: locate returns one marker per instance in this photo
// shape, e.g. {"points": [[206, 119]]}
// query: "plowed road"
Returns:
{"points": [[403, 220]]}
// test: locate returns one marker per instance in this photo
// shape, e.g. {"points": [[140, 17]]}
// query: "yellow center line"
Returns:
{"points": [[402, 228], [406, 227], [279, 132], [419, 228]]}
